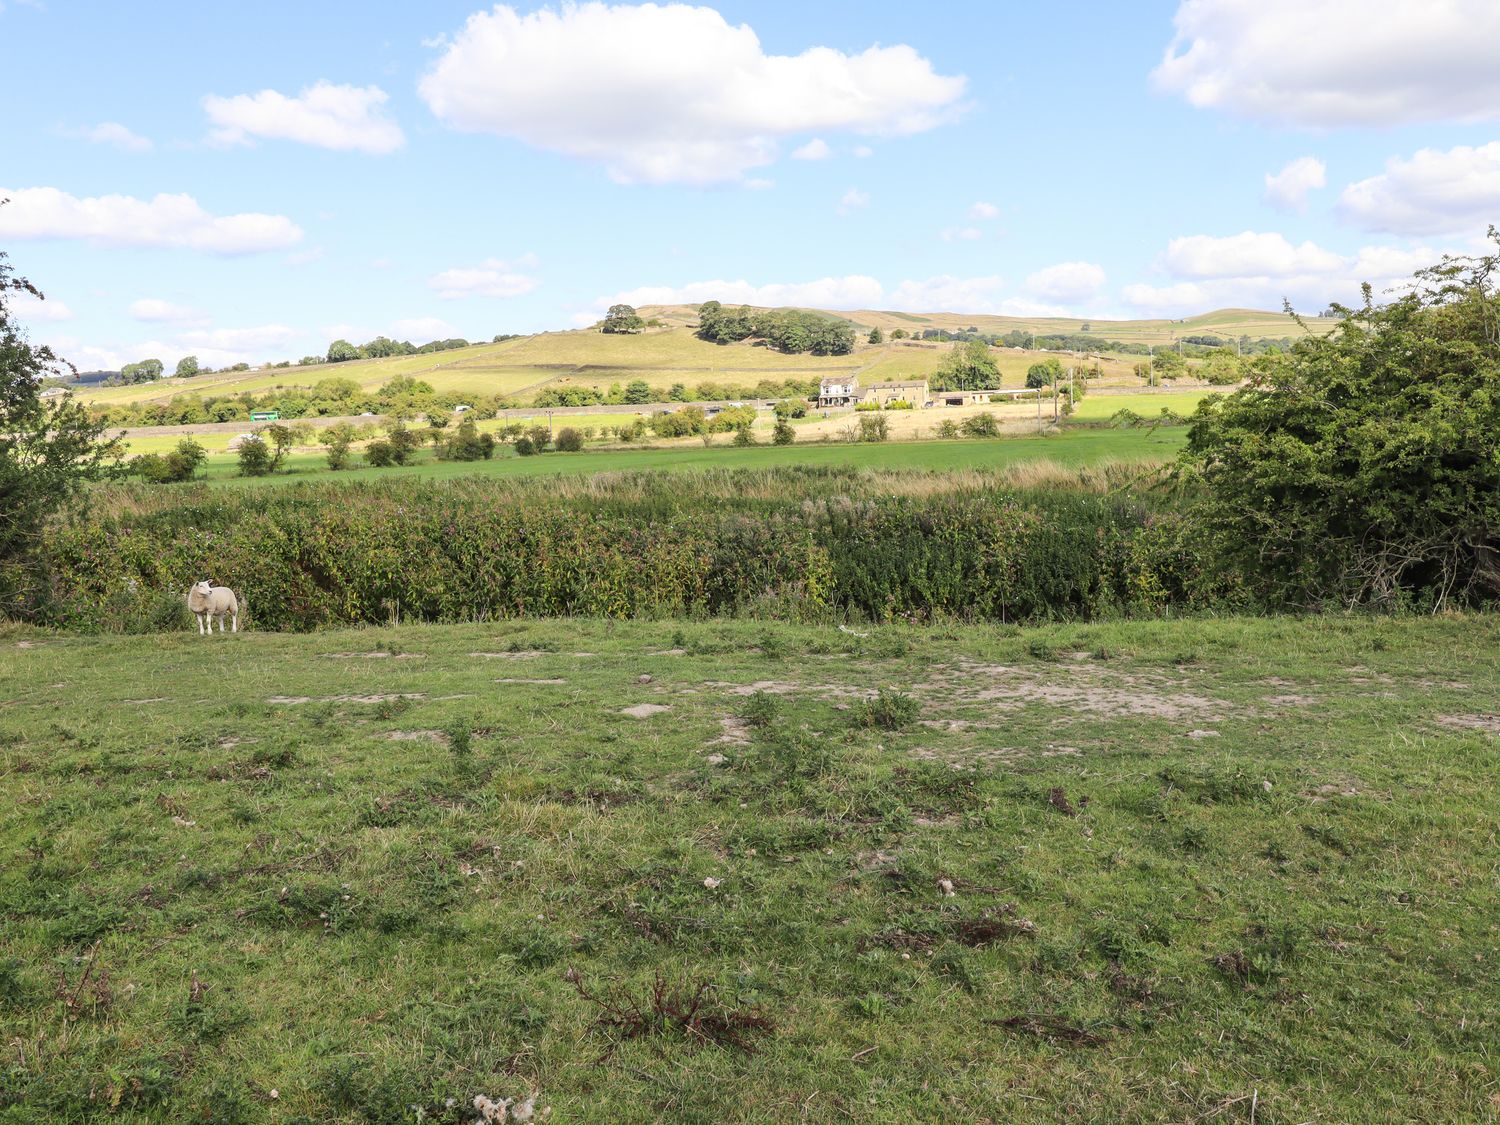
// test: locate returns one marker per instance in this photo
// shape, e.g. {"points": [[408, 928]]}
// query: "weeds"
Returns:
{"points": [[890, 710], [690, 1011]]}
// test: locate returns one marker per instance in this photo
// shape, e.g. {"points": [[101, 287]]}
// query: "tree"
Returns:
{"points": [[968, 367], [876, 335], [338, 439], [1364, 467], [1044, 373], [187, 367], [254, 456], [569, 440], [1223, 368], [341, 351], [899, 334], [638, 392], [48, 450], [783, 434], [621, 319], [146, 371]]}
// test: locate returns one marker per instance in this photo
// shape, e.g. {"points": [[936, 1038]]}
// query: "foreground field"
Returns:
{"points": [[1236, 870]]}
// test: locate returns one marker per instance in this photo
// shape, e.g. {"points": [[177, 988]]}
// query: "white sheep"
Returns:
{"points": [[208, 601]]}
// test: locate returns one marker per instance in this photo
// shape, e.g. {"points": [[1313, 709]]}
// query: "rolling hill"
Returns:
{"points": [[673, 354]]}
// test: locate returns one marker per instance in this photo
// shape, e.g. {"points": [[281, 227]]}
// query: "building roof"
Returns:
{"points": [[905, 384]]}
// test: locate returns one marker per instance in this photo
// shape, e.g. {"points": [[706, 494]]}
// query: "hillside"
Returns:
{"points": [[673, 354]]}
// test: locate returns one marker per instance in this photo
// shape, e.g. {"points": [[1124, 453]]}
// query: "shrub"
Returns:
{"points": [[179, 465], [743, 436], [569, 440], [947, 428], [254, 456], [338, 439], [899, 404], [525, 447], [380, 454], [873, 428], [889, 710], [791, 408], [981, 425], [783, 434], [468, 444]]}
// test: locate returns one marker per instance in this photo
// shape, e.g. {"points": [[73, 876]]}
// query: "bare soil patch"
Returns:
{"points": [[644, 710], [375, 655], [415, 736], [1489, 724], [518, 680]]}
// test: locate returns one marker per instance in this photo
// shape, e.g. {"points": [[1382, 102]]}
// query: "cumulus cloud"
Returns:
{"points": [[984, 210], [1337, 62], [491, 278], [155, 310], [115, 135], [29, 309], [1261, 271], [175, 221], [670, 93], [1288, 188], [1249, 253], [1067, 281], [344, 118], [853, 200], [815, 149], [1432, 192]]}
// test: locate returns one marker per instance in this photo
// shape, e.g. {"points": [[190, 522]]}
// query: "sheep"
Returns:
{"points": [[208, 601]]}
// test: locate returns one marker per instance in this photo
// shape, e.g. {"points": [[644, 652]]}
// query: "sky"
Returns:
{"points": [[247, 182]]}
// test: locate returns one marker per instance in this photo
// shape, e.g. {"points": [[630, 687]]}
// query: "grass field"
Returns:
{"points": [[1206, 871], [1069, 448]]}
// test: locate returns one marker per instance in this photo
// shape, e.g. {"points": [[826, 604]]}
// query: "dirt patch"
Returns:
{"points": [[1202, 734], [415, 736], [769, 687], [966, 758], [142, 702], [1291, 700], [644, 710], [375, 655], [733, 732], [526, 654], [1089, 689], [669, 652], [1489, 724], [516, 680], [1328, 791]]}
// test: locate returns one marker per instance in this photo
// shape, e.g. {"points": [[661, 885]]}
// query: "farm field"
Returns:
{"points": [[1068, 448], [1205, 870]]}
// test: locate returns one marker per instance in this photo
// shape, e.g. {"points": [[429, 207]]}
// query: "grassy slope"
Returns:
{"points": [[1294, 914], [1069, 448], [663, 357]]}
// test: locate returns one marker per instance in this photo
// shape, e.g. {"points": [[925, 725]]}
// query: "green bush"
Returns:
{"points": [[872, 427], [783, 434], [981, 425], [254, 456], [179, 465], [525, 447], [899, 404], [743, 436], [380, 454], [569, 440]]}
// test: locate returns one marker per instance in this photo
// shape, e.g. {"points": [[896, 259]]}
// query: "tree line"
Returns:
{"points": [[787, 330]]}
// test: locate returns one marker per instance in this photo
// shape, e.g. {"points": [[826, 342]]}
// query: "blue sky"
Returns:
{"points": [[245, 182]]}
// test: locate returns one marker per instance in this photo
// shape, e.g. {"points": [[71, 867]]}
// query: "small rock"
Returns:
{"points": [[1266, 785], [711, 883], [643, 679], [716, 759], [946, 885]]}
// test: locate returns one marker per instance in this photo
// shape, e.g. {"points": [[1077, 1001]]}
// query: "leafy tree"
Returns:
{"points": [[338, 439], [1044, 373], [783, 434], [48, 449], [187, 367], [1223, 368], [743, 435], [899, 334], [568, 440], [968, 367], [876, 335], [468, 444], [1169, 364], [981, 425], [621, 319], [254, 456], [638, 392], [873, 427], [1365, 468], [380, 453], [146, 371], [341, 351]]}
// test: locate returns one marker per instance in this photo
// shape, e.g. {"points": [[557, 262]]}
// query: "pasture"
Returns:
{"points": [[1206, 870]]}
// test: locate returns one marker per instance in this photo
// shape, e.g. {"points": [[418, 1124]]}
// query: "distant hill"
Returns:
{"points": [[669, 354]]}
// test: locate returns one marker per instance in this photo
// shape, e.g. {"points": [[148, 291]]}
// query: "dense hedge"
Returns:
{"points": [[326, 555]]}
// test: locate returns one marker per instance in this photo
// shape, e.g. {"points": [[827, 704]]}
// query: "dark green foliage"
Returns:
{"points": [[981, 425], [338, 439], [324, 555], [791, 331], [744, 436], [872, 427], [1046, 373], [621, 319], [783, 434], [179, 465], [889, 710], [568, 440], [380, 454], [1365, 469], [680, 423], [968, 367], [467, 443]]}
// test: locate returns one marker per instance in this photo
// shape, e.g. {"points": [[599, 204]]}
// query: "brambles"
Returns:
{"points": [[691, 1011]]}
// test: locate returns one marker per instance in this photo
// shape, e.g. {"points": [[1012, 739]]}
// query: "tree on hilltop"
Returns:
{"points": [[621, 320]]}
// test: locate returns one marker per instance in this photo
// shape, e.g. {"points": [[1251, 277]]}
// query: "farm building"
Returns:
{"points": [[838, 390], [981, 397], [913, 391]]}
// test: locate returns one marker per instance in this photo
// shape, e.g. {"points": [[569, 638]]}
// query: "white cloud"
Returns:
{"points": [[1067, 281], [328, 116], [1246, 254], [853, 200], [423, 328], [260, 339], [1337, 62], [491, 278], [961, 234], [815, 149], [155, 310], [670, 93], [114, 134], [947, 294], [1433, 192], [984, 210], [29, 309], [1288, 188], [123, 220]]}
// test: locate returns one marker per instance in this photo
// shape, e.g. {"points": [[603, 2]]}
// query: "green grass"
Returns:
{"points": [[1070, 448], [1189, 871], [1096, 406]]}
